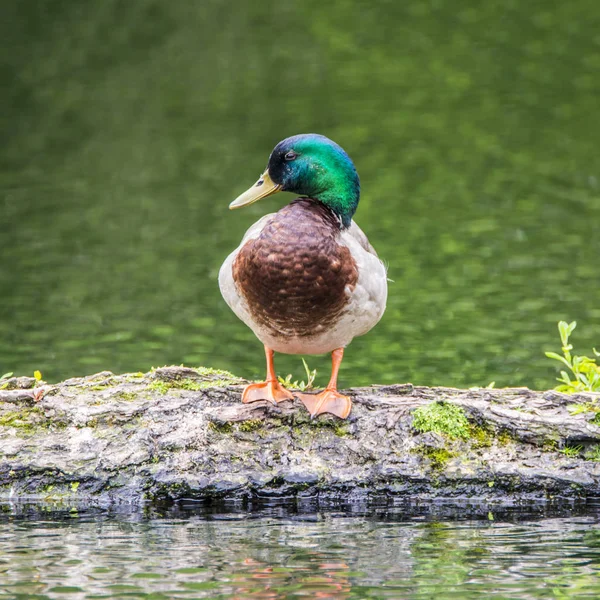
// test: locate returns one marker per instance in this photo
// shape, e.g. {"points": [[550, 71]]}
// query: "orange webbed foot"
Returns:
{"points": [[272, 391], [327, 401]]}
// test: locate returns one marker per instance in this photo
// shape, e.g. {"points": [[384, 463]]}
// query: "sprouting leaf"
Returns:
{"points": [[285, 381], [6, 375], [310, 375], [300, 385], [37, 375], [583, 379], [565, 377], [565, 329], [558, 357]]}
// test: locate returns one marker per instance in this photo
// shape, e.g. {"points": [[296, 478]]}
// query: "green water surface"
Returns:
{"points": [[127, 127], [311, 555]]}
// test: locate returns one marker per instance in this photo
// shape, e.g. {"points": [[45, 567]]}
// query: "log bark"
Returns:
{"points": [[177, 433]]}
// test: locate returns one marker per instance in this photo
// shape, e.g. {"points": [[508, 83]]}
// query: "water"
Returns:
{"points": [[314, 555], [127, 130]]}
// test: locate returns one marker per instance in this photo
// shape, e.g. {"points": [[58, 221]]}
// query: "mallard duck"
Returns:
{"points": [[305, 279]]}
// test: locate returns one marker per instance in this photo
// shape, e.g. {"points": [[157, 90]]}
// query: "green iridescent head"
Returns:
{"points": [[310, 165]]}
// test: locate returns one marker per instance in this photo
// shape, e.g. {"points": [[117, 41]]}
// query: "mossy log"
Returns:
{"points": [[178, 433]]}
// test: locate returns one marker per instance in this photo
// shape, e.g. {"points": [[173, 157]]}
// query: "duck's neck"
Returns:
{"points": [[342, 200], [339, 190]]}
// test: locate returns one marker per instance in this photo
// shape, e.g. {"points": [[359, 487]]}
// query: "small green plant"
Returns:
{"points": [[577, 409], [585, 372], [571, 451], [442, 417], [6, 376], [300, 385]]}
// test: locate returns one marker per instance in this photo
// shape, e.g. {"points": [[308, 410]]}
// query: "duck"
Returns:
{"points": [[305, 279]]}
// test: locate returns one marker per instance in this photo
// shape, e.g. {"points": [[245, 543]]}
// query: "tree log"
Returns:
{"points": [[178, 433]]}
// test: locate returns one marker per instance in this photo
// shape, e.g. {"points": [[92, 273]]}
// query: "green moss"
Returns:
{"points": [[187, 384], [132, 377], [167, 491], [441, 417], [341, 429], [333, 424], [593, 454], [301, 424], [438, 457], [191, 385], [98, 388], [480, 437], [128, 396], [15, 419], [338, 428], [210, 372], [218, 383], [251, 425], [550, 445], [504, 437], [162, 387], [26, 420], [221, 427]]}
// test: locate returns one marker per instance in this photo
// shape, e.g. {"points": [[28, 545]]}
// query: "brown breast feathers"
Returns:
{"points": [[294, 275]]}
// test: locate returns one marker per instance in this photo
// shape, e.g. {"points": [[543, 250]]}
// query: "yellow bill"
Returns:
{"points": [[264, 187]]}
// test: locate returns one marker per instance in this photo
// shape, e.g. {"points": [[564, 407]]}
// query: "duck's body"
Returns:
{"points": [[305, 279], [302, 283]]}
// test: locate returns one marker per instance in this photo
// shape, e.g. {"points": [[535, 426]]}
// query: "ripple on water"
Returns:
{"points": [[328, 556]]}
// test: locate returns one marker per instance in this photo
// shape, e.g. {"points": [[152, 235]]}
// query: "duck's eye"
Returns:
{"points": [[291, 155]]}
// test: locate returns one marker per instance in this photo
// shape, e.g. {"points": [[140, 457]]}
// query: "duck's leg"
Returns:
{"points": [[270, 390], [329, 400]]}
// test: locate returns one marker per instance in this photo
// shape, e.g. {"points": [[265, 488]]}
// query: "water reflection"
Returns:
{"points": [[328, 556], [128, 129]]}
